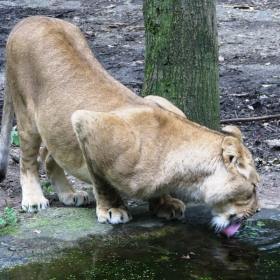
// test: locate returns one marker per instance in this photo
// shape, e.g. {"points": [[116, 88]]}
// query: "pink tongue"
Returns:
{"points": [[231, 229]]}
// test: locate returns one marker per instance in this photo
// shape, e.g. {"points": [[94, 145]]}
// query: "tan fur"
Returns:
{"points": [[96, 129], [233, 131]]}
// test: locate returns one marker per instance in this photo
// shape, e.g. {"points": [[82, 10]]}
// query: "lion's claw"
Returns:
{"points": [[114, 216], [168, 208], [35, 205]]}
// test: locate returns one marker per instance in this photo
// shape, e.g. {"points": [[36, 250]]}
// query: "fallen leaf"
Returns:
{"points": [[110, 6], [185, 257], [221, 58], [90, 33], [276, 15], [250, 107], [268, 63], [37, 231], [244, 6]]}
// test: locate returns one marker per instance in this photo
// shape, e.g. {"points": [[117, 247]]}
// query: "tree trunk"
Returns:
{"points": [[182, 57]]}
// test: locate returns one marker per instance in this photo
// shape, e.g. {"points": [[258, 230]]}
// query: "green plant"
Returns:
{"points": [[8, 217], [252, 230], [15, 138], [162, 251], [260, 224], [47, 186]]}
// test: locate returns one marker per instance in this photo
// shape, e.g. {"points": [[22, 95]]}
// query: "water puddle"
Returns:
{"points": [[176, 251]]}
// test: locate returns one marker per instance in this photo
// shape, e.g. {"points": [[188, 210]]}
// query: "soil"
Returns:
{"points": [[249, 41]]}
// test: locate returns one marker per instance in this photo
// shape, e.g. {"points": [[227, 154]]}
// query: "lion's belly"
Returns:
{"points": [[73, 164], [59, 138], [80, 173]]}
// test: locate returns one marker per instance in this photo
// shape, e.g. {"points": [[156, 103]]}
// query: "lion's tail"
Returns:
{"points": [[6, 128]]}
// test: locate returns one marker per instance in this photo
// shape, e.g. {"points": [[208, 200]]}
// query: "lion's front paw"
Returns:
{"points": [[171, 209], [77, 198], [113, 216], [34, 204]]}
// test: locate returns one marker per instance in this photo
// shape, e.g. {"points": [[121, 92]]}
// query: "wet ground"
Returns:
{"points": [[147, 248]]}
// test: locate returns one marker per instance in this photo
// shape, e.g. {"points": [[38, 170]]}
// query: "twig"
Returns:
{"points": [[122, 23], [239, 94], [251, 119], [271, 129], [135, 21]]}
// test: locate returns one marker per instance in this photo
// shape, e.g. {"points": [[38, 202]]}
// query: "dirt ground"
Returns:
{"points": [[249, 40]]}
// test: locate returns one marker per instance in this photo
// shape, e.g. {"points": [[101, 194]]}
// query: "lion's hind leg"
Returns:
{"points": [[65, 191], [33, 199], [167, 207]]}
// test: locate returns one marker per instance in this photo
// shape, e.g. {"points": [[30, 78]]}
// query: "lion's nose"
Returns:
{"points": [[232, 216]]}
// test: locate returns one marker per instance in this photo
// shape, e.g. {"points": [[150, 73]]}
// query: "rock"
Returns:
{"points": [[274, 144]]}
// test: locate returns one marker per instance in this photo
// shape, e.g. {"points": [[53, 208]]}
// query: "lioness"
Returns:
{"points": [[99, 131]]}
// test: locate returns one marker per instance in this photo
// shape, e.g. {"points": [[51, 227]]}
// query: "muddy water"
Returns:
{"points": [[184, 251]]}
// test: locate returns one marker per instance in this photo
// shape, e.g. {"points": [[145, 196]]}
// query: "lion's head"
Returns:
{"points": [[236, 199]]}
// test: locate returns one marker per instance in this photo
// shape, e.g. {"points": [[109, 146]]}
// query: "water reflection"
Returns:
{"points": [[252, 254]]}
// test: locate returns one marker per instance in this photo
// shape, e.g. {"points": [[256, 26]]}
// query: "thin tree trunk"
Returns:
{"points": [[182, 57]]}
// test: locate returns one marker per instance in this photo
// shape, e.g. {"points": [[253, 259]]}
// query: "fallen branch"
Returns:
{"points": [[251, 119]]}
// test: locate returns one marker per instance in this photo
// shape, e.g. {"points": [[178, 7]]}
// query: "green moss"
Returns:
{"points": [[8, 230], [65, 223], [152, 26]]}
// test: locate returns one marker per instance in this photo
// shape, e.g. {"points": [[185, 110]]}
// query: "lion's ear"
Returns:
{"points": [[233, 131], [234, 156]]}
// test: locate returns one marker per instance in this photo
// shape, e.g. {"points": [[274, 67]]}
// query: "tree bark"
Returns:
{"points": [[182, 57]]}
